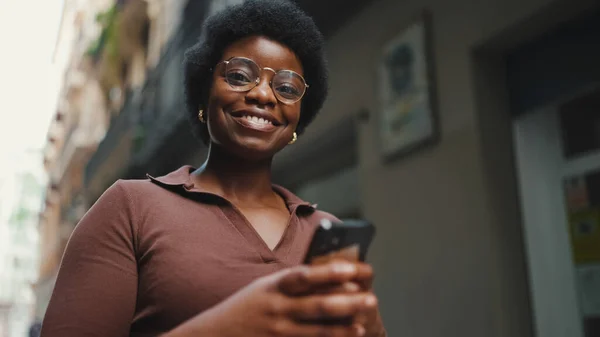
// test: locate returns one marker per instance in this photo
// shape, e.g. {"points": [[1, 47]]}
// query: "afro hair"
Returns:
{"points": [[280, 20]]}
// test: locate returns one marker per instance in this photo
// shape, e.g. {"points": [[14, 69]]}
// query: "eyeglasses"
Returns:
{"points": [[243, 74]]}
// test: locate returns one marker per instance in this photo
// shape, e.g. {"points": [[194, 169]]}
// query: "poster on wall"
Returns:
{"points": [[584, 230], [406, 96]]}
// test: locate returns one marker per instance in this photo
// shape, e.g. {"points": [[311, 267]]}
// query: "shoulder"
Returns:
{"points": [[127, 196], [132, 189], [133, 186], [112, 216], [123, 207]]}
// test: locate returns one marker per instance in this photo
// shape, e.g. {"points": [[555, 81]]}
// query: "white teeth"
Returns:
{"points": [[258, 120]]}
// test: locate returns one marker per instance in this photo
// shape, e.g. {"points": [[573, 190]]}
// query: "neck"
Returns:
{"points": [[235, 178]]}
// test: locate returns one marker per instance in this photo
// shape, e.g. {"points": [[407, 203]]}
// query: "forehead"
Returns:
{"points": [[265, 52]]}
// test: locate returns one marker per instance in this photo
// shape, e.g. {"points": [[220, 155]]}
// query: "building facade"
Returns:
{"points": [[101, 56], [477, 234], [80, 122]]}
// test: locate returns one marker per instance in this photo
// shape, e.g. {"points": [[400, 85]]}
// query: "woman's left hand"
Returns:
{"points": [[371, 320]]}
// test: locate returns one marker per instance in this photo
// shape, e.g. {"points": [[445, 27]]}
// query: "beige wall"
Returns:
{"points": [[449, 255]]}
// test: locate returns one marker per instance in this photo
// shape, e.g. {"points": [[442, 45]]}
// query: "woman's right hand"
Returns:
{"points": [[286, 304]]}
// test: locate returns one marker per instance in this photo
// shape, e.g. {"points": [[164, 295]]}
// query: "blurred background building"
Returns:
{"points": [[21, 191], [81, 119], [490, 229]]}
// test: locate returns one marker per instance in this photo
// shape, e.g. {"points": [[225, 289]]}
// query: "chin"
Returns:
{"points": [[255, 149]]}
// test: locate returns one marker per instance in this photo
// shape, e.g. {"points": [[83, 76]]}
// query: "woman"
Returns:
{"points": [[216, 251]]}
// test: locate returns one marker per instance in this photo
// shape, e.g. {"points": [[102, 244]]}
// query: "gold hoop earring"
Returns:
{"points": [[201, 116], [294, 139]]}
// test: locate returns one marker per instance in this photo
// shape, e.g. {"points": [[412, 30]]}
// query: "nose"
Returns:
{"points": [[262, 93]]}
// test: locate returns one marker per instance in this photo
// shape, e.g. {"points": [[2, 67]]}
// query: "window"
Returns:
{"points": [[580, 125]]}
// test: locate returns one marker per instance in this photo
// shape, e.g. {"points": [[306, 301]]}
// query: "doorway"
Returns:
{"points": [[558, 155], [580, 125]]}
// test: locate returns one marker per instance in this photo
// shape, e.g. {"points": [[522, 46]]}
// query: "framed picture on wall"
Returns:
{"points": [[407, 109]]}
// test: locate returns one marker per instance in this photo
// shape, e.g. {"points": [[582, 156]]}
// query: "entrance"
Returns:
{"points": [[558, 153], [580, 125]]}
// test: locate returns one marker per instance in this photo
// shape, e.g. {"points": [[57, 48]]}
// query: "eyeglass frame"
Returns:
{"points": [[258, 79]]}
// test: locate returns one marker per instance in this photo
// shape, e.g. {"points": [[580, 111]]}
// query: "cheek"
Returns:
{"points": [[292, 114], [220, 97]]}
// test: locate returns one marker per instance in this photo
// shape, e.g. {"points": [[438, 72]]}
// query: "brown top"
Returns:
{"points": [[151, 254]]}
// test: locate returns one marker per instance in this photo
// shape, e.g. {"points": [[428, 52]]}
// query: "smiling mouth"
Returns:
{"points": [[255, 123], [257, 120]]}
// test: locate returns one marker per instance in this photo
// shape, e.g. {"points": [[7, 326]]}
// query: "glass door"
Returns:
{"points": [[580, 131]]}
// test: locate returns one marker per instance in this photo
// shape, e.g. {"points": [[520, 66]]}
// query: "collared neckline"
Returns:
{"points": [[180, 181], [182, 178]]}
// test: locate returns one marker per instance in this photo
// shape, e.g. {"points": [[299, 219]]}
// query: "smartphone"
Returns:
{"points": [[347, 239]]}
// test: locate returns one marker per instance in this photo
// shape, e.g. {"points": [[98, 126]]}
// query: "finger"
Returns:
{"points": [[337, 306], [364, 273], [302, 279], [294, 329], [369, 317], [344, 288]]}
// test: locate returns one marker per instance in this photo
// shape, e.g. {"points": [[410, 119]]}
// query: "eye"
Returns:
{"points": [[287, 90], [237, 77]]}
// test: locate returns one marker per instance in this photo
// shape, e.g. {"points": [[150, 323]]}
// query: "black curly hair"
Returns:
{"points": [[280, 20]]}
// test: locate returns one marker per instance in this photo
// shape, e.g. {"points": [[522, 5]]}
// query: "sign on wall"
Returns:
{"points": [[406, 91]]}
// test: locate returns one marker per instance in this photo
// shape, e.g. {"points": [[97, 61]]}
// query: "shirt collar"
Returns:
{"points": [[182, 180]]}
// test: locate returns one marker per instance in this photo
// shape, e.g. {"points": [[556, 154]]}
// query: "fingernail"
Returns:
{"points": [[370, 301]]}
